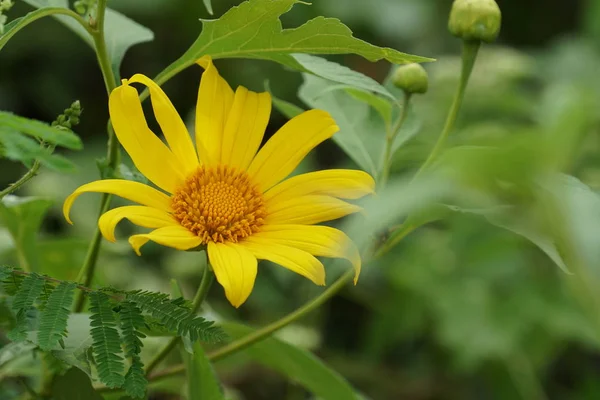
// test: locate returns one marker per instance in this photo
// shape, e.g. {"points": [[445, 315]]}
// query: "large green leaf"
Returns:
{"points": [[39, 130], [253, 30], [202, 380], [23, 217], [297, 364], [74, 385], [120, 32], [21, 148]]}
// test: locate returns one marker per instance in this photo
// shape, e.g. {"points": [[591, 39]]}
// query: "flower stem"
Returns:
{"points": [[24, 179], [207, 279], [391, 136], [469, 55], [86, 273]]}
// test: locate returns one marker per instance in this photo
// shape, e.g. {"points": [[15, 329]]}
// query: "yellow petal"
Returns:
{"points": [[294, 259], [129, 190], [235, 268], [308, 210], [245, 127], [171, 124], [149, 154], [214, 102], [317, 240], [147, 217], [175, 236], [342, 183], [284, 151]]}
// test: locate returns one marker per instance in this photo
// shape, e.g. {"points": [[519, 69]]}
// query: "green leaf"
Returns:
{"points": [[208, 5], [39, 130], [361, 136], [120, 32], [77, 344], [131, 321], [106, 341], [18, 147], [19, 23], [23, 217], [341, 74], [53, 321], [74, 385], [253, 30], [25, 322], [29, 290], [202, 380], [176, 316], [382, 106], [297, 364], [502, 217]]}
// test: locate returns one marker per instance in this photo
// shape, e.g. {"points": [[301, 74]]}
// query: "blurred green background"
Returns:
{"points": [[461, 309]]}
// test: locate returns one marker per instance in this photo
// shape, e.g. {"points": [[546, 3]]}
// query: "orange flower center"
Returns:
{"points": [[219, 204]]}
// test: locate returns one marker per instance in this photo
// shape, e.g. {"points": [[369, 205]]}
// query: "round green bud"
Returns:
{"points": [[412, 78], [475, 20]]}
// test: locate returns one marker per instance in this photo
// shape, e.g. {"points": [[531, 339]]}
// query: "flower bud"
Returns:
{"points": [[475, 20], [412, 78]]}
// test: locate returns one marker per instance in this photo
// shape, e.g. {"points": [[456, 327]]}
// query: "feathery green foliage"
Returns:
{"points": [[131, 320], [53, 321], [176, 316], [106, 341], [28, 292]]}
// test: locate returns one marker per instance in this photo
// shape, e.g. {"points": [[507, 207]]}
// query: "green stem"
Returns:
{"points": [[86, 273], [24, 179], [267, 330], [207, 279], [391, 137], [469, 55]]}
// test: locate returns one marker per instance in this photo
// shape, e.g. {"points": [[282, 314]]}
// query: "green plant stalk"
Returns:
{"points": [[23, 180], [469, 55], [208, 278], [86, 273], [391, 137]]}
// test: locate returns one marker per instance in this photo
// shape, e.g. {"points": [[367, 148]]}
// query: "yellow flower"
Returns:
{"points": [[225, 193]]}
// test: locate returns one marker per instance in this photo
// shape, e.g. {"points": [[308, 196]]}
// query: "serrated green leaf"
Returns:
{"points": [[253, 30], [361, 136], [25, 150], [25, 322], [74, 385], [53, 321], [39, 130], [202, 381], [135, 380], [23, 217], [106, 341], [297, 364], [120, 32]]}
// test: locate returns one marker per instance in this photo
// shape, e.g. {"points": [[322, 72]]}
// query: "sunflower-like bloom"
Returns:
{"points": [[225, 193]]}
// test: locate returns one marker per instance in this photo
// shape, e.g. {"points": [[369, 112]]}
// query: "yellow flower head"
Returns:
{"points": [[225, 193]]}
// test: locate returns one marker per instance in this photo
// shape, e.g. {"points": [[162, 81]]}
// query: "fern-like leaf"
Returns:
{"points": [[10, 281], [106, 343], [25, 321], [28, 292], [135, 380], [176, 316], [53, 321]]}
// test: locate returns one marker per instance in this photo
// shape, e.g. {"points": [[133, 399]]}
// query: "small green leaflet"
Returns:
{"points": [[208, 5], [253, 30], [297, 364]]}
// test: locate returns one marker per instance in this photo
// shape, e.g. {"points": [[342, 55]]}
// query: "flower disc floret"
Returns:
{"points": [[219, 204]]}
